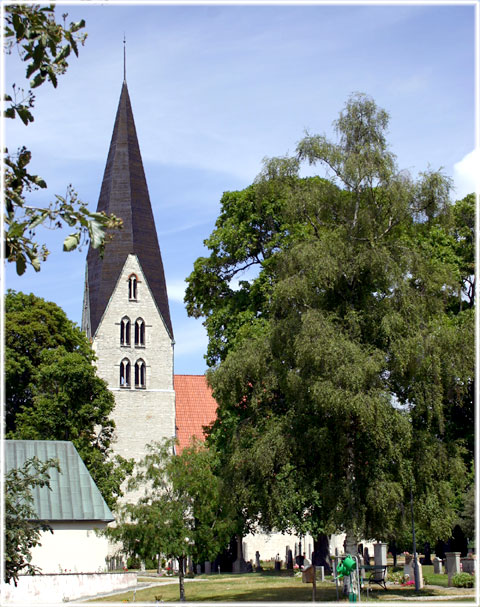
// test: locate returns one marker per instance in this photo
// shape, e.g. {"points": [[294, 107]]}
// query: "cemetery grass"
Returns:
{"points": [[265, 587], [254, 587]]}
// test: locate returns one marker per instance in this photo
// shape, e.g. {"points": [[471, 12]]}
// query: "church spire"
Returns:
{"points": [[124, 193], [124, 60]]}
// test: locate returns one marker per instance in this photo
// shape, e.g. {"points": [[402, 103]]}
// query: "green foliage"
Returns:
{"points": [[52, 390], [463, 580], [179, 512], [344, 369], [22, 532], [44, 45]]}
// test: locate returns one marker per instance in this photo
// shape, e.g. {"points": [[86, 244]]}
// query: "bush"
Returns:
{"points": [[463, 580]]}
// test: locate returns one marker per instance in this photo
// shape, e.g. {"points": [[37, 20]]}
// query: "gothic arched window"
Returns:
{"points": [[125, 373], [140, 374], [139, 332], [132, 287], [125, 331]]}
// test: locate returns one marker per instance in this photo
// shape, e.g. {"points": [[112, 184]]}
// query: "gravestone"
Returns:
{"points": [[199, 569], [278, 563], [468, 564], [289, 559], [321, 569], [239, 566], [208, 567], [380, 558], [420, 574], [453, 565], [408, 567], [437, 565], [258, 567]]}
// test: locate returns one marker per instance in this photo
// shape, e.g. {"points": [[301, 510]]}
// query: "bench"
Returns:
{"points": [[376, 574]]}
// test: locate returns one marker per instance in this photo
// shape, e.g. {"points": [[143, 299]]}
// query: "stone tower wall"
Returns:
{"points": [[141, 415]]}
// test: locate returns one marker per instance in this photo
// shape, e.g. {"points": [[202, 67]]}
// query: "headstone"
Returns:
{"points": [[453, 565], [289, 559], [308, 575], [408, 567], [258, 567], [420, 575], [437, 565], [380, 558], [239, 566], [468, 564], [322, 572], [199, 569], [208, 567]]}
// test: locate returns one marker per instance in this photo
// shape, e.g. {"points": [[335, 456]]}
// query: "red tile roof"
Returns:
{"points": [[195, 407]]}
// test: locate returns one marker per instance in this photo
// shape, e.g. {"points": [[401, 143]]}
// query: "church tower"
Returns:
{"points": [[125, 310]]}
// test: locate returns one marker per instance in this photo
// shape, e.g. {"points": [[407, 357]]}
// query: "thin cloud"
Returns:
{"points": [[465, 174]]}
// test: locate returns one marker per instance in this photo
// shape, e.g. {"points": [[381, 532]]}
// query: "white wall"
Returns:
{"points": [[71, 548], [49, 589], [268, 545]]}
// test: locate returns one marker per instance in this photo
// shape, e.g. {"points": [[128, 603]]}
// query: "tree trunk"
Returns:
{"points": [[181, 576], [321, 553]]}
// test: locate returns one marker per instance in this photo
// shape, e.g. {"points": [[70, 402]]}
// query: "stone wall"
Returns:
{"points": [[142, 415], [50, 589]]}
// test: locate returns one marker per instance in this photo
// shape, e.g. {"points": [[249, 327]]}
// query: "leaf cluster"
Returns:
{"points": [[179, 512], [52, 390], [44, 45]]}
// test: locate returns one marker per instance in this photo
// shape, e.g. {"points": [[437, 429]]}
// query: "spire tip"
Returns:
{"points": [[124, 59]]}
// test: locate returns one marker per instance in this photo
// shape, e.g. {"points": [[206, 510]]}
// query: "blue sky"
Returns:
{"points": [[214, 90]]}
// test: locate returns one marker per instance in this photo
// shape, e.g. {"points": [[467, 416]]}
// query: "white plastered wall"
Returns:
{"points": [[271, 544], [73, 547]]}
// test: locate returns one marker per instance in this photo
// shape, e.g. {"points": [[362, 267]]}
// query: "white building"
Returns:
{"points": [[73, 508]]}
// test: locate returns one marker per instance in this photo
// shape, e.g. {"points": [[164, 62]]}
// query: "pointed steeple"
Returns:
{"points": [[124, 193]]}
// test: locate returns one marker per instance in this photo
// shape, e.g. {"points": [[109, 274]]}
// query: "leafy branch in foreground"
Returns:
{"points": [[22, 532], [44, 45]]}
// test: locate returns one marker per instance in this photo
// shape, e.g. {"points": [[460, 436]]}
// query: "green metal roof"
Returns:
{"points": [[74, 496]]}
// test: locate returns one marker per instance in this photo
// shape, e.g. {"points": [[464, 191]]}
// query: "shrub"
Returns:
{"points": [[463, 580]]}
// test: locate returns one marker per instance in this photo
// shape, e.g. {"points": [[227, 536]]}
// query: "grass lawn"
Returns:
{"points": [[266, 586]]}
